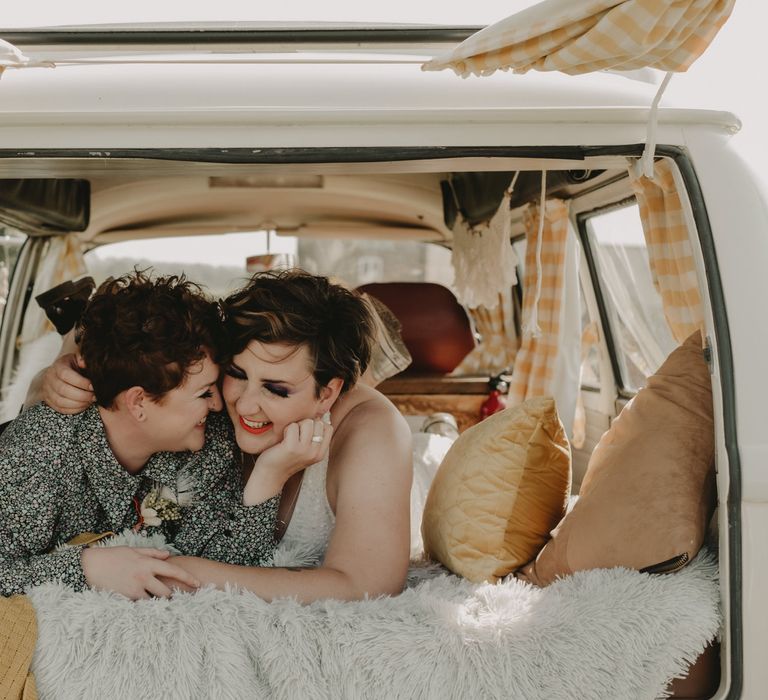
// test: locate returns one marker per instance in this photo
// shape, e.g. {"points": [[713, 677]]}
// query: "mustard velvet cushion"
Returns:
{"points": [[500, 490], [648, 492]]}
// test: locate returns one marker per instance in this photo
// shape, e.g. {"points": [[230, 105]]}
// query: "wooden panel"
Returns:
{"points": [[434, 384], [466, 409]]}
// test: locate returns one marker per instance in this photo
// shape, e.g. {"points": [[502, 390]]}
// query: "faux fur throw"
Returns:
{"points": [[598, 634]]}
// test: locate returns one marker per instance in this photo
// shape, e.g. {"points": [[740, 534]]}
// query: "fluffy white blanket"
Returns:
{"points": [[598, 634]]}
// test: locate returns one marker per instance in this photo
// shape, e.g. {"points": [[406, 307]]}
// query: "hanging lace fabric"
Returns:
{"points": [[483, 259]]}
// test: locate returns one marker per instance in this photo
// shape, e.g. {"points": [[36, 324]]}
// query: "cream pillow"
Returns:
{"points": [[502, 487], [648, 491]]}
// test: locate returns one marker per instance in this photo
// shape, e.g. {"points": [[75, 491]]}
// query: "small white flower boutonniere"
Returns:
{"points": [[164, 504]]}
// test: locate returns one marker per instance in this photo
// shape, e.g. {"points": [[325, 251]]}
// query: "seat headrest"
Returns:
{"points": [[435, 327]]}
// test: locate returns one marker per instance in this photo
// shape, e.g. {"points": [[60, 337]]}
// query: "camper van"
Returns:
{"points": [[219, 151]]}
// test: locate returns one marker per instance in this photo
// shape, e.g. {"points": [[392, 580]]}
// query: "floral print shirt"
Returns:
{"points": [[59, 478]]}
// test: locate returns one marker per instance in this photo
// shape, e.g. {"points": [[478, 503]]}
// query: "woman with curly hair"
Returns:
{"points": [[151, 350]]}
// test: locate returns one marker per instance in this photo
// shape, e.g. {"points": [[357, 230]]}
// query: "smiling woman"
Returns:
{"points": [[300, 344], [150, 349]]}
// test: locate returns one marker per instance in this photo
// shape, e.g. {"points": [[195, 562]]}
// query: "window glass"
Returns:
{"points": [[590, 351], [640, 333], [357, 262], [11, 241], [221, 263]]}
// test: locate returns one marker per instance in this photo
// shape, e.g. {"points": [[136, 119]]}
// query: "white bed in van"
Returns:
{"points": [[347, 152]]}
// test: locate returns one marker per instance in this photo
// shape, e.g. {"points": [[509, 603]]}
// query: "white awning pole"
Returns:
{"points": [[644, 165]]}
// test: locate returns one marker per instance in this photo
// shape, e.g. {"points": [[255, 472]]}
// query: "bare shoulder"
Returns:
{"points": [[370, 434], [366, 414]]}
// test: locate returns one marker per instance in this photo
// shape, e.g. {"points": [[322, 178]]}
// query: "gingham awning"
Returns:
{"points": [[580, 36]]}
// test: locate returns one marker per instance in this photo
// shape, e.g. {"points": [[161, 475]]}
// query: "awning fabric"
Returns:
{"points": [[581, 36]]}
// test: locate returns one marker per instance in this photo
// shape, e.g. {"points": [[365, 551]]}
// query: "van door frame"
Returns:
{"points": [[329, 155]]}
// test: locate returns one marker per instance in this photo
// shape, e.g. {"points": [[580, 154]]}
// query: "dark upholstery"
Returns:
{"points": [[435, 327], [702, 679]]}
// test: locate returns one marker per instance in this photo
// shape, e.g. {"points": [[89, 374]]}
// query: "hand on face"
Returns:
{"points": [[304, 443]]}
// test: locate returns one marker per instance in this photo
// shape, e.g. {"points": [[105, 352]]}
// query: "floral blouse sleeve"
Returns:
{"points": [[29, 513], [218, 526]]}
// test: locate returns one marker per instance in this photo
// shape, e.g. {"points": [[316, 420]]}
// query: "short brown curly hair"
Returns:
{"points": [[139, 331], [298, 308]]}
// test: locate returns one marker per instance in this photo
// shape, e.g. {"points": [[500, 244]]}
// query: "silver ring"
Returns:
{"points": [[317, 438]]}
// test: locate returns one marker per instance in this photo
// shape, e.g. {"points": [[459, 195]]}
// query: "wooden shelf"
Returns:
{"points": [[434, 384]]}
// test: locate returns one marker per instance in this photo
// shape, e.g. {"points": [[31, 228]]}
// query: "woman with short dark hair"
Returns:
{"points": [[152, 349]]}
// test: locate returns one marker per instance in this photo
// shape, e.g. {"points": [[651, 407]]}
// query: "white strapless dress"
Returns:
{"points": [[306, 539]]}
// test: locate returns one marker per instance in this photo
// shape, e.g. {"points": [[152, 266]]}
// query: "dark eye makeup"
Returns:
{"points": [[235, 372], [276, 389]]}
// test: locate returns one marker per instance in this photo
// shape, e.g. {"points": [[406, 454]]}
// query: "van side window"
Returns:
{"points": [[11, 241], [640, 336]]}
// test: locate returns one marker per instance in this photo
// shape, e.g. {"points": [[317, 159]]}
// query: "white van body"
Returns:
{"points": [[152, 122]]}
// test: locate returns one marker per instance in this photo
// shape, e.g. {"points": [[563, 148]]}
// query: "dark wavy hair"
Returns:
{"points": [[139, 331], [297, 308]]}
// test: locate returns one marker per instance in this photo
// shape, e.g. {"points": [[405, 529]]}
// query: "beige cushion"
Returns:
{"points": [[647, 494], [501, 488]]}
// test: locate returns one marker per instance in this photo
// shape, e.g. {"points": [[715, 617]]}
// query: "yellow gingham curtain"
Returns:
{"points": [[498, 348], [580, 36], [537, 357], [669, 249]]}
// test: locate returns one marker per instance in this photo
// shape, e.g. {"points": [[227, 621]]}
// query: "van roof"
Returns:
{"points": [[293, 68], [313, 85]]}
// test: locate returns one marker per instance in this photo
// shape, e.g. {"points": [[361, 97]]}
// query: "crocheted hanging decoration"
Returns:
{"points": [[483, 259]]}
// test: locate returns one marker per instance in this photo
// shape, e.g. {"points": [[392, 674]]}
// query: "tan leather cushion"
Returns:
{"points": [[647, 494], [501, 488], [435, 327]]}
